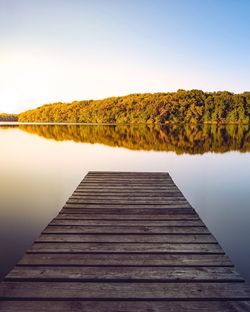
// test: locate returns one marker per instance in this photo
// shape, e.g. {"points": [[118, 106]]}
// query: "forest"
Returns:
{"points": [[8, 117], [194, 106]]}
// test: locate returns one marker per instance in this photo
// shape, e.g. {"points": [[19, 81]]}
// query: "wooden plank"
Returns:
{"points": [[124, 193], [136, 291], [117, 172], [126, 217], [128, 223], [125, 248], [132, 190], [187, 238], [130, 187], [161, 212], [78, 229], [138, 174], [129, 174], [136, 200], [125, 306], [129, 201], [128, 180], [132, 274], [134, 179], [145, 259], [111, 181], [126, 183], [92, 196], [127, 206]]}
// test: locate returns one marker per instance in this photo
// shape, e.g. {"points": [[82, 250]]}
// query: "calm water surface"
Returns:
{"points": [[41, 165]]}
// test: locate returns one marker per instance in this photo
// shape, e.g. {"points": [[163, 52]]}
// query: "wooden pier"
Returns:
{"points": [[125, 241]]}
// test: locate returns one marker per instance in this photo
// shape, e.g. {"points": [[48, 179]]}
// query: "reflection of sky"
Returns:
{"points": [[38, 175]]}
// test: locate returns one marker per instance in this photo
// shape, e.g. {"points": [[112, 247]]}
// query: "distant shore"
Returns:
{"points": [[16, 123], [188, 107]]}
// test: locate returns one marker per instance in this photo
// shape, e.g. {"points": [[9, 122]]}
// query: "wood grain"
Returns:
{"points": [[125, 306], [124, 290], [125, 248], [107, 238], [146, 259], [131, 274]]}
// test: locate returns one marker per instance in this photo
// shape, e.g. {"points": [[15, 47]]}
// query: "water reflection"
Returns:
{"points": [[191, 139]]}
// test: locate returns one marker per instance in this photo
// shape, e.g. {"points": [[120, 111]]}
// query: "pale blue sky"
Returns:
{"points": [[58, 50]]}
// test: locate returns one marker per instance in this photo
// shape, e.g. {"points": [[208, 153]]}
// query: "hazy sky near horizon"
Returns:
{"points": [[60, 50]]}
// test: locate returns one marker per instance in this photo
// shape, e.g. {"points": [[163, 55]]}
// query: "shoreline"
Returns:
{"points": [[17, 123]]}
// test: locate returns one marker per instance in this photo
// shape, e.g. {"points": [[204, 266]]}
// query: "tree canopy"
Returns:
{"points": [[8, 117], [194, 106]]}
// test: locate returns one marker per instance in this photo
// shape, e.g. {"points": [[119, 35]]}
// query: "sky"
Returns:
{"points": [[60, 50]]}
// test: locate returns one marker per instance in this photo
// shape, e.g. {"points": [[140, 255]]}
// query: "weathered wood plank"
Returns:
{"points": [[148, 238], [150, 200], [126, 260], [131, 188], [137, 173], [126, 217], [138, 291], [125, 306], [127, 206], [128, 173], [145, 179], [98, 196], [128, 201], [148, 178], [126, 184], [125, 248], [129, 176], [161, 212], [78, 229], [135, 180], [120, 193], [132, 274], [128, 223]]}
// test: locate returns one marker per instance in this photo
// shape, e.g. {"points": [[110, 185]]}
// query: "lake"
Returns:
{"points": [[41, 165]]}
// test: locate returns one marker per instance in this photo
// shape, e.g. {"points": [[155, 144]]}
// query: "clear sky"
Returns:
{"points": [[65, 50]]}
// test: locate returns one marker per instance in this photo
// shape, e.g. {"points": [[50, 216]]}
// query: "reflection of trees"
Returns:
{"points": [[180, 139]]}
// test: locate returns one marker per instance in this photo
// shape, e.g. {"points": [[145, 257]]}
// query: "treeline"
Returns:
{"points": [[190, 139], [192, 106], [8, 117]]}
